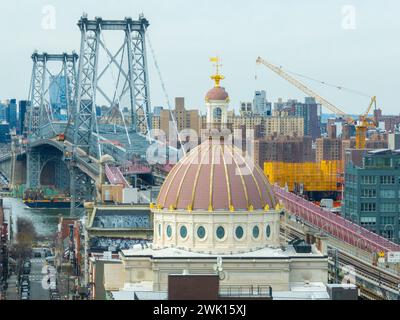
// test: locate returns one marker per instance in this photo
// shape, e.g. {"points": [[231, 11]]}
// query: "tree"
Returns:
{"points": [[25, 236]]}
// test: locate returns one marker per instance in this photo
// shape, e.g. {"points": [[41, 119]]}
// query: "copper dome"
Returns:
{"points": [[217, 93], [214, 176]]}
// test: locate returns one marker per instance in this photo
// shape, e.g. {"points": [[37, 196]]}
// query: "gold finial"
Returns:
{"points": [[217, 77], [231, 208], [151, 205], [266, 208]]}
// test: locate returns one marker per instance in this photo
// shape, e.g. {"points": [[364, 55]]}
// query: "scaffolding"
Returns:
{"points": [[307, 176]]}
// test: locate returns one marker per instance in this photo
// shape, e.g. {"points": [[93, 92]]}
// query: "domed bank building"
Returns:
{"points": [[216, 213]]}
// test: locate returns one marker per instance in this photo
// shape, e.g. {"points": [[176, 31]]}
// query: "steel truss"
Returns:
{"points": [[40, 113], [134, 77], [82, 188], [132, 74], [40, 109], [36, 161]]}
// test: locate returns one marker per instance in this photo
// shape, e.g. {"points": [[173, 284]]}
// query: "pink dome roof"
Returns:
{"points": [[217, 93], [216, 175]]}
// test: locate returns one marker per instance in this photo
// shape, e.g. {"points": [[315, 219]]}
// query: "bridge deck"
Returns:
{"points": [[337, 226]]}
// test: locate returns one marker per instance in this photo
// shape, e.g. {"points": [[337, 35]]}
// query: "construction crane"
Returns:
{"points": [[361, 126]]}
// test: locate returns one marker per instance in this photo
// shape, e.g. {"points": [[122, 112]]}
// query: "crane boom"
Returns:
{"points": [[302, 87]]}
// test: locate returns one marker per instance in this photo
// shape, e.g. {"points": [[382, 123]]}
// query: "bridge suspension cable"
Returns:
{"points": [[165, 93], [116, 83], [325, 83]]}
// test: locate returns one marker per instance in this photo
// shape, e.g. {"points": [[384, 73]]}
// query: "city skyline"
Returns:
{"points": [[197, 33]]}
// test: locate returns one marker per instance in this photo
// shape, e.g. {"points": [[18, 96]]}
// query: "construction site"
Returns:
{"points": [[320, 175]]}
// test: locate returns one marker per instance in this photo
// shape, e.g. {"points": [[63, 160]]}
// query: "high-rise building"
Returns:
{"points": [[283, 149], [4, 132], [328, 149], [283, 124], [12, 113], [3, 110], [372, 193], [58, 98], [246, 108], [386, 122], [156, 117], [23, 107], [309, 110], [185, 119], [260, 104]]}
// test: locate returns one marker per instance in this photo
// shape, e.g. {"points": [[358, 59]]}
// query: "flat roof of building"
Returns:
{"points": [[266, 252]]}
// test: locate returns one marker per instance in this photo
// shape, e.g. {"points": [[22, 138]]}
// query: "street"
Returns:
{"points": [[37, 292], [36, 277]]}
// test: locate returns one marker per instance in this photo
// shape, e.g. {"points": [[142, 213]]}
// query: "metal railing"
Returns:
{"points": [[246, 291]]}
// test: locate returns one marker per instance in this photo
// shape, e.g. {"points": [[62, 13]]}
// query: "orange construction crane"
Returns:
{"points": [[361, 126]]}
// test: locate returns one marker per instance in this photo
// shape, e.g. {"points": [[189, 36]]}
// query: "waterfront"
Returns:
{"points": [[44, 220]]}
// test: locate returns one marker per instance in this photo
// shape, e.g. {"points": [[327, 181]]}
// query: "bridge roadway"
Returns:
{"points": [[333, 224], [88, 164]]}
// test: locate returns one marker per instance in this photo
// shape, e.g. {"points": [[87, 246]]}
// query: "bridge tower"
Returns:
{"points": [[130, 81], [40, 114]]}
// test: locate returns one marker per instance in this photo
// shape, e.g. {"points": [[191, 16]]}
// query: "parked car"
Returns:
{"points": [[55, 296], [37, 254], [26, 270], [25, 277], [24, 297], [25, 290], [25, 283]]}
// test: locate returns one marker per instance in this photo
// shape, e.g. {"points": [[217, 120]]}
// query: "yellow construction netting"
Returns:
{"points": [[322, 176]]}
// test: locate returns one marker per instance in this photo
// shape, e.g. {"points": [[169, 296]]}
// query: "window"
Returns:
{"points": [[368, 179], [217, 114], [387, 194], [368, 193], [220, 232], [388, 207], [368, 207], [159, 229], [268, 231], [256, 232], [368, 221], [239, 232], [201, 232], [183, 232], [387, 220], [387, 180], [169, 231]]}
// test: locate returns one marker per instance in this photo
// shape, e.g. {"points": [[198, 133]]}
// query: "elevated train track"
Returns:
{"points": [[374, 283]]}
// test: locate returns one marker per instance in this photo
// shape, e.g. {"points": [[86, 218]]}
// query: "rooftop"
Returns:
{"points": [[262, 253]]}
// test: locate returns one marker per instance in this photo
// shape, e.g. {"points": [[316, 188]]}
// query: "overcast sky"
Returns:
{"points": [[351, 43]]}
